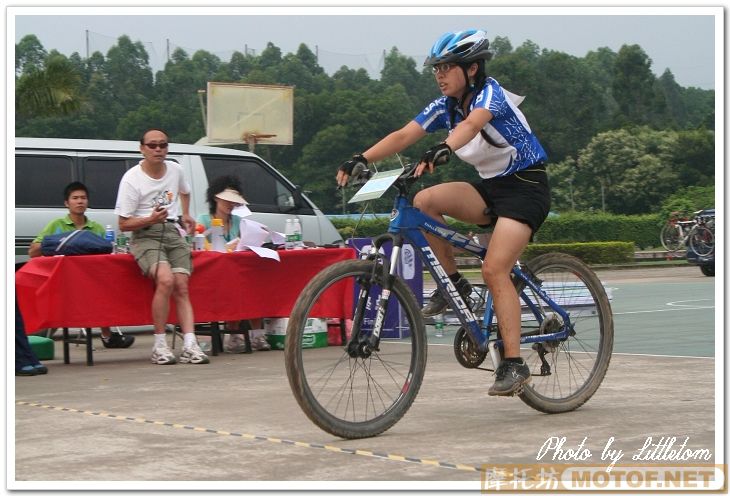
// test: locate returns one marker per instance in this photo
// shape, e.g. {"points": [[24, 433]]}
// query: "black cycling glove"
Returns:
{"points": [[356, 160], [438, 155]]}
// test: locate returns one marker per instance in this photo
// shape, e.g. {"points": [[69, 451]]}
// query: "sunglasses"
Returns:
{"points": [[443, 68], [153, 146]]}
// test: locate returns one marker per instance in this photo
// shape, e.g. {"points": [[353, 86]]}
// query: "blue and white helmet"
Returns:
{"points": [[460, 47]]}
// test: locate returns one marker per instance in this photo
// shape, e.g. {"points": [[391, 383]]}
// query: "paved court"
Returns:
{"points": [[235, 424]]}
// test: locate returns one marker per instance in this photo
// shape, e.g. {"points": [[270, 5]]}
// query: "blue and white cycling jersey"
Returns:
{"points": [[519, 147]]}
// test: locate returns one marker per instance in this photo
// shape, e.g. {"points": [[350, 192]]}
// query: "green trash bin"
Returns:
{"points": [[43, 347]]}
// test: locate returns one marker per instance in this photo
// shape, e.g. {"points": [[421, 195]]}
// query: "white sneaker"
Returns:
{"points": [[193, 354], [236, 344], [259, 343], [161, 355]]}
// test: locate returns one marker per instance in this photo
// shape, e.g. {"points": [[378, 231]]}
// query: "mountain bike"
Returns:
{"points": [[698, 233], [365, 386]]}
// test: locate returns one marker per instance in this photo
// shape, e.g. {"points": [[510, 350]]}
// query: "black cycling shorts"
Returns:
{"points": [[523, 196]]}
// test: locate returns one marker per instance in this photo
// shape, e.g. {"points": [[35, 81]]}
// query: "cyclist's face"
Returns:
{"points": [[452, 82]]}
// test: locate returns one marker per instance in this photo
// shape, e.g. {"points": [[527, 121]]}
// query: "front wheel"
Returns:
{"points": [[566, 372], [352, 390]]}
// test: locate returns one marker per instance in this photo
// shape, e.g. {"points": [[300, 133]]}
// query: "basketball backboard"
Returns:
{"points": [[248, 113]]}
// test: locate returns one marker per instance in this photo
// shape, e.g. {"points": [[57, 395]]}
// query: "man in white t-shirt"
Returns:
{"points": [[152, 196]]}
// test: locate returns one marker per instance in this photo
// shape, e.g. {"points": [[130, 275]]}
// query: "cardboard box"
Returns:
{"points": [[315, 333]]}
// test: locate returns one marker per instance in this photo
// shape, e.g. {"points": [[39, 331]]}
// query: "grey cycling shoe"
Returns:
{"points": [[437, 302]]}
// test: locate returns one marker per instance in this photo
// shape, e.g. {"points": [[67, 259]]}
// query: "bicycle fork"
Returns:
{"points": [[364, 347]]}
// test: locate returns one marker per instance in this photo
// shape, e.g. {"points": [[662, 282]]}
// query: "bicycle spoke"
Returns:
{"points": [[354, 391], [578, 362]]}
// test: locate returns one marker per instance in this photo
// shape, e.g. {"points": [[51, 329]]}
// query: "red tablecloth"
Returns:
{"points": [[109, 290]]}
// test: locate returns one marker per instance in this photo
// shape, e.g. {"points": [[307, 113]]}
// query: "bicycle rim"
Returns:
{"points": [[702, 241], [361, 396], [670, 237], [573, 368]]}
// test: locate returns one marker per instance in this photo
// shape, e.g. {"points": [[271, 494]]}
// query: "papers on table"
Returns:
{"points": [[254, 234]]}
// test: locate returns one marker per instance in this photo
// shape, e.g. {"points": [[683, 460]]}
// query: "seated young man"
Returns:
{"points": [[76, 199]]}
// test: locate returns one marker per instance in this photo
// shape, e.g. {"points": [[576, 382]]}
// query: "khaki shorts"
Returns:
{"points": [[161, 243]]}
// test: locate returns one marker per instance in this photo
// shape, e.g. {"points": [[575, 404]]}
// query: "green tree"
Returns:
{"points": [[270, 56], [564, 83], [30, 56], [350, 79], [500, 46], [401, 69], [639, 100], [688, 200], [693, 157], [50, 90], [618, 167], [128, 75]]}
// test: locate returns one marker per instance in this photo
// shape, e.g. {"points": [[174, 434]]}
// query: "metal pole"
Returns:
{"points": [[87, 44], [202, 111]]}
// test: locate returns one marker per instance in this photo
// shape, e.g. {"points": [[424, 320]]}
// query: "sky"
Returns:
{"points": [[672, 37]]}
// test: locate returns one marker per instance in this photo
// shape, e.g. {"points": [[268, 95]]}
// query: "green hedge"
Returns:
{"points": [[641, 230], [612, 252]]}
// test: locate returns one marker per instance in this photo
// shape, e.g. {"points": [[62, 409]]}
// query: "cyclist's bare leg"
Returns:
{"points": [[458, 200], [506, 244]]}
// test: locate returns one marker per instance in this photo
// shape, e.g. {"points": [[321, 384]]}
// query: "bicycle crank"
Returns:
{"points": [[466, 351]]}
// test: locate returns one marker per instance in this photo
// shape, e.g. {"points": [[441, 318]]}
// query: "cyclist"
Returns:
{"points": [[487, 130]]}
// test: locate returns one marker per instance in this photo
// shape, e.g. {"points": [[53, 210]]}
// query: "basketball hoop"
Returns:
{"points": [[252, 138]]}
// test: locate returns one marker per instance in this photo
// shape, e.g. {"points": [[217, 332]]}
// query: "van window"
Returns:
{"points": [[102, 176], [264, 191], [42, 180]]}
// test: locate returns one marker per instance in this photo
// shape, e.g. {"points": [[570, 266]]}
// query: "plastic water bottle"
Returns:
{"points": [[122, 245], [438, 322], [289, 235], [297, 235], [109, 235], [199, 242], [216, 236]]}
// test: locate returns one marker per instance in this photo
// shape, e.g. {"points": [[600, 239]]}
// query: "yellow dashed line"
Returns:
{"points": [[301, 444]]}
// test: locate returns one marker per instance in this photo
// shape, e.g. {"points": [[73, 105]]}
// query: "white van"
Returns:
{"points": [[44, 166]]}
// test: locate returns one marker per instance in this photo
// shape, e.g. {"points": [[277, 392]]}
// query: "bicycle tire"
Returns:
{"points": [[670, 238], [702, 241], [574, 286], [332, 387]]}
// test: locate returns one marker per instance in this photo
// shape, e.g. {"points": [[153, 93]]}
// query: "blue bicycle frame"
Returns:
{"points": [[405, 225]]}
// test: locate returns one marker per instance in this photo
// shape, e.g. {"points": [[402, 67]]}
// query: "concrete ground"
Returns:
{"points": [[235, 424]]}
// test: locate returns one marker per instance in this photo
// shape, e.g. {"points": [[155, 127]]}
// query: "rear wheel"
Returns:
{"points": [[355, 390], [708, 270], [566, 372], [702, 241]]}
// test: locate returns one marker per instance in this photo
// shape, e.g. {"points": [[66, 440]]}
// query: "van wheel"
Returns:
{"points": [[708, 270]]}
